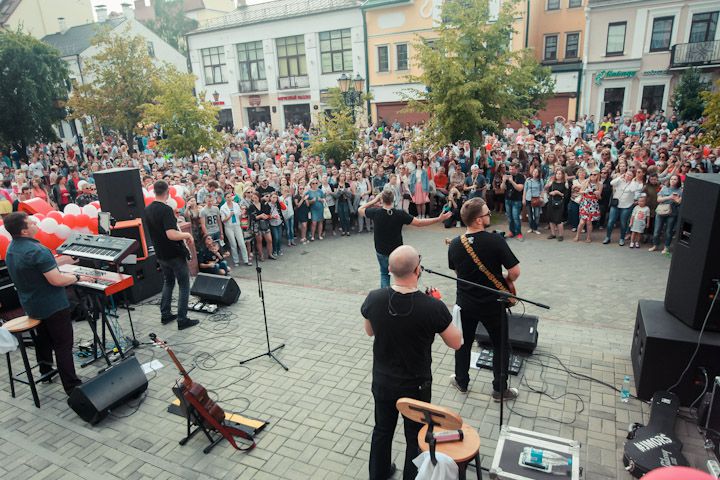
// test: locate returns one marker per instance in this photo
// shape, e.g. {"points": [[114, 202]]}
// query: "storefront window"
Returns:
{"points": [[652, 98], [613, 101]]}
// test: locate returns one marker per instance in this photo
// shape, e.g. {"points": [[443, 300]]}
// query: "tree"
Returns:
{"points": [[336, 131], [188, 124], [120, 80], [687, 100], [473, 80], [171, 24], [712, 116], [34, 85]]}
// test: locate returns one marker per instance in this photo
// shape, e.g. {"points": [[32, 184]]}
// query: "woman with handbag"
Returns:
{"points": [[302, 210], [557, 192], [589, 205], [315, 198], [260, 220], [343, 203], [533, 189], [329, 198], [666, 213]]}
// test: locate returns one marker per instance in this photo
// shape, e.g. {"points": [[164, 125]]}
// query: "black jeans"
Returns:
{"points": [[386, 415], [172, 270], [493, 319], [56, 333]]}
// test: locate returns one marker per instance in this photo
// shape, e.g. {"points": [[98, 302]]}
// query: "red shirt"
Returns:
{"points": [[441, 180]]}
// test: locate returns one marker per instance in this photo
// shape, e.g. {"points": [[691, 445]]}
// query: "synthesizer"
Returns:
{"points": [[102, 281], [97, 247]]}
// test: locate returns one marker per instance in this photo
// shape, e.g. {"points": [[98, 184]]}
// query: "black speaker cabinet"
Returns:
{"points": [[94, 399], [120, 193], [215, 288], [695, 265], [522, 331], [661, 349], [147, 278]]}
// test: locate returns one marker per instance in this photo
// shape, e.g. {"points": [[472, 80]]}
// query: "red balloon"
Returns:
{"points": [[70, 220], [4, 244], [57, 216], [173, 191], [93, 225], [42, 237], [674, 473], [180, 202], [149, 200], [54, 241], [95, 204], [39, 216], [82, 220]]}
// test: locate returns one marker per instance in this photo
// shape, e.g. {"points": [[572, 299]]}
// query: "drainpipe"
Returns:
{"points": [[527, 24], [586, 51], [367, 65], [577, 94]]}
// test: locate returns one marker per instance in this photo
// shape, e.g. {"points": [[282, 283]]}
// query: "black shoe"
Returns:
{"points": [[187, 323], [509, 394], [169, 319], [458, 387], [392, 470]]}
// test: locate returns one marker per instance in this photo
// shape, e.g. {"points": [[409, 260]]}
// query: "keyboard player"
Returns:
{"points": [[41, 289]]}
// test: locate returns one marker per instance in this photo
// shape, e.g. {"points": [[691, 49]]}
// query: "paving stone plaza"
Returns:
{"points": [[321, 410]]}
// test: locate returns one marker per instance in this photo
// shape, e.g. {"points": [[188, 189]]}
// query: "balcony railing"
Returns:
{"points": [[695, 54], [285, 83], [249, 86]]}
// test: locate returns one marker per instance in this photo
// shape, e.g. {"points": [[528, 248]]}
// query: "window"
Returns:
{"points": [[652, 98], [574, 3], [551, 47], [401, 55], [616, 39], [213, 65], [572, 45], [251, 62], [336, 51], [151, 49], [383, 58], [291, 56], [703, 27], [661, 33], [553, 4], [613, 101]]}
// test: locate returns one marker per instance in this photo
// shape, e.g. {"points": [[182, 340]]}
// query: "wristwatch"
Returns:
{"points": [[77, 278]]}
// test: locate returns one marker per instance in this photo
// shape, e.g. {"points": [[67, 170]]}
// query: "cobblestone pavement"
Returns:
{"points": [[320, 412]]}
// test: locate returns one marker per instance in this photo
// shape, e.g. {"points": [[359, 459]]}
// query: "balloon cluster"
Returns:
{"points": [[55, 227], [175, 201]]}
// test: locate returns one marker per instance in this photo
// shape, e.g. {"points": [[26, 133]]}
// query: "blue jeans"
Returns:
{"points": [[276, 232], [622, 214], [290, 228], [668, 222], [573, 214], [172, 270], [533, 215], [512, 209], [384, 273], [343, 212]]}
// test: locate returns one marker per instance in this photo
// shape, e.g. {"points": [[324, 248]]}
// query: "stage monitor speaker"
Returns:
{"points": [[522, 330], [662, 346], [695, 265], [94, 399], [216, 288], [147, 278], [120, 193]]}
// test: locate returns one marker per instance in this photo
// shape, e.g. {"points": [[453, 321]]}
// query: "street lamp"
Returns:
{"points": [[351, 90]]}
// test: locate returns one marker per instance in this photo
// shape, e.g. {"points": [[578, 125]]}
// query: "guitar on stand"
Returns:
{"points": [[201, 410]]}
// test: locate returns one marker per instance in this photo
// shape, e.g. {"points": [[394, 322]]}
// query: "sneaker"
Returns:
{"points": [[560, 238], [457, 386], [509, 235], [652, 249], [574, 229], [606, 241], [537, 232], [236, 264], [520, 237], [550, 237], [530, 230], [187, 323], [169, 319], [509, 394], [666, 251], [621, 242], [391, 472], [272, 257]]}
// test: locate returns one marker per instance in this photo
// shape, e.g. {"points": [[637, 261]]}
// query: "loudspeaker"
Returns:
{"points": [[661, 349], [94, 399], [147, 278], [695, 265], [216, 288], [522, 331], [120, 193], [132, 229]]}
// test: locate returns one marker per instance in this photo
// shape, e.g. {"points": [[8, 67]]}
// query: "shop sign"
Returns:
{"points": [[654, 73], [254, 100], [293, 97], [613, 75]]}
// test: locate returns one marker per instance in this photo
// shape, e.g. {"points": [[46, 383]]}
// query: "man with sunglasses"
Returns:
{"points": [[88, 195]]}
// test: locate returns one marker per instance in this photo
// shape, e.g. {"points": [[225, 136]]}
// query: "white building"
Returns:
{"points": [[273, 62], [43, 17]]}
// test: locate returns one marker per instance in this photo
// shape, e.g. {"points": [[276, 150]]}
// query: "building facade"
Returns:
{"points": [[275, 62], [640, 48], [43, 17]]}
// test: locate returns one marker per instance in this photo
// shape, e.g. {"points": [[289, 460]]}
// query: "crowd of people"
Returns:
{"points": [[620, 172]]}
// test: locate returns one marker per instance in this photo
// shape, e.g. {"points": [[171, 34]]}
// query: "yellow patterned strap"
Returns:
{"points": [[498, 284]]}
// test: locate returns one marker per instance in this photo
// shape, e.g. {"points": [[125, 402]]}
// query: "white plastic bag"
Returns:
{"points": [[8, 342]]}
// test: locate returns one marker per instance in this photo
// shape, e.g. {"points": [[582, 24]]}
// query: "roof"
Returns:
{"points": [[381, 3], [7, 8], [276, 10], [77, 39]]}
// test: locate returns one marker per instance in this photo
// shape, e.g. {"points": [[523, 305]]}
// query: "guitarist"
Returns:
{"points": [[479, 256], [171, 254]]}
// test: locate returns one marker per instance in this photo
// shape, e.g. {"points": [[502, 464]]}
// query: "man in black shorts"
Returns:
{"points": [[479, 305], [404, 322], [388, 223]]}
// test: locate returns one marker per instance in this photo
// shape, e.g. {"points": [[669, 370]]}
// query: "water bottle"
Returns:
{"points": [[545, 459], [625, 390]]}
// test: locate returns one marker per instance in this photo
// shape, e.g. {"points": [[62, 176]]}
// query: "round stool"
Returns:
{"points": [[461, 452], [18, 326]]}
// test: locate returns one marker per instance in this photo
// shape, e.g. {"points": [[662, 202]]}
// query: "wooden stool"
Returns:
{"points": [[439, 419], [18, 326]]}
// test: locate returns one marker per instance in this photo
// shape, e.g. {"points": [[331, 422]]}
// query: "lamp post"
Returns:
{"points": [[351, 90]]}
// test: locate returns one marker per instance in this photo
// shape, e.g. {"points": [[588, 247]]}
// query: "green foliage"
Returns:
{"points": [[336, 136], [189, 124], [474, 80], [120, 79], [687, 100], [712, 116], [34, 85], [171, 24]]}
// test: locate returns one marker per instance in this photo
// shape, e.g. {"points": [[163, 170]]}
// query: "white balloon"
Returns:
{"points": [[5, 233], [90, 210], [83, 230], [48, 225], [180, 190], [35, 219], [172, 203], [72, 209], [63, 231]]}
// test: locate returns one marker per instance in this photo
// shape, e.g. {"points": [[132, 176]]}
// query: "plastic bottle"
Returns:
{"points": [[545, 459], [625, 390]]}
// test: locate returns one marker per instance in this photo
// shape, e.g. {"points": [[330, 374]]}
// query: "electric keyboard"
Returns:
{"points": [[102, 281], [97, 247]]}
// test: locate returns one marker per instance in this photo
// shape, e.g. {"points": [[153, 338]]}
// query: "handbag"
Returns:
{"points": [[327, 215], [663, 209], [536, 202]]}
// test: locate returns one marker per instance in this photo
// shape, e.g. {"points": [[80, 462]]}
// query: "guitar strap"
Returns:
{"points": [[481, 266]]}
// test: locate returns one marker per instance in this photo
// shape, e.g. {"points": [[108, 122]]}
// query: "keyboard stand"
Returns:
{"points": [[93, 305]]}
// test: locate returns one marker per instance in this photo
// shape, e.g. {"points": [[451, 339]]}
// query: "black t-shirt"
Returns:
{"points": [[510, 192], [265, 190], [405, 325], [160, 218], [388, 228], [494, 252]]}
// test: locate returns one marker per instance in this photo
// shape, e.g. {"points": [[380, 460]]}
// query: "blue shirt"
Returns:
{"points": [[27, 261]]}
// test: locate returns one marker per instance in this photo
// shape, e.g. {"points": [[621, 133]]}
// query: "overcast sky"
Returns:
{"points": [[114, 5]]}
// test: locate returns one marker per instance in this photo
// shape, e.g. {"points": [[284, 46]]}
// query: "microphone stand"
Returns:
{"points": [[504, 298], [261, 294]]}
